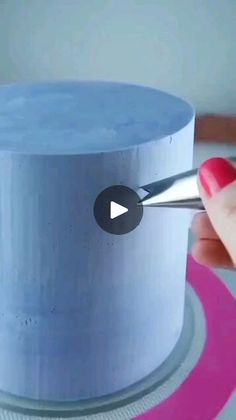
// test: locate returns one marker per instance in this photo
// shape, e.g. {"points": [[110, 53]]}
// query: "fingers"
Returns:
{"points": [[208, 249], [216, 229], [202, 227], [212, 253], [217, 187]]}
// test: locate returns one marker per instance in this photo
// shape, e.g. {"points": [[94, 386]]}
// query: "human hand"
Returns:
{"points": [[215, 229]]}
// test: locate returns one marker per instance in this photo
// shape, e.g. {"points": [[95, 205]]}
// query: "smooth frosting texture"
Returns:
{"points": [[85, 313], [86, 117]]}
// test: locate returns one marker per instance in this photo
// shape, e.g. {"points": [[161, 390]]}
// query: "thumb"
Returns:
{"points": [[217, 187]]}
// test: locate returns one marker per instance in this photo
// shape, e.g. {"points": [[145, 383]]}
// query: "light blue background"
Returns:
{"points": [[186, 46]]}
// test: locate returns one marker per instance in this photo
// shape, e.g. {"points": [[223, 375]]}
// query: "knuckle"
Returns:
{"points": [[230, 211]]}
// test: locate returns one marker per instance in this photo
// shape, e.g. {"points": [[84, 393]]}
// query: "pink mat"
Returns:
{"points": [[211, 383]]}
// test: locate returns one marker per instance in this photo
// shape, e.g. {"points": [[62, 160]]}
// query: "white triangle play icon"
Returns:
{"points": [[116, 210]]}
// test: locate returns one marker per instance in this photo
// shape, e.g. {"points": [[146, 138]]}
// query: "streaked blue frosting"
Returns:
{"points": [[85, 117]]}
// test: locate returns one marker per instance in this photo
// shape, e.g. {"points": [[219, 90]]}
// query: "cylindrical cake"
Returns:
{"points": [[85, 313]]}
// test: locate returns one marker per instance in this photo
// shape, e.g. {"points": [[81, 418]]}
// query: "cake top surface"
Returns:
{"points": [[86, 117]]}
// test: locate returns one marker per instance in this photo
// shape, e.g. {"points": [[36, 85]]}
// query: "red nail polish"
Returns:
{"points": [[215, 174]]}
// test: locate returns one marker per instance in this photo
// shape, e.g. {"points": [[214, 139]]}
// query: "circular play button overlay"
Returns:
{"points": [[117, 211]]}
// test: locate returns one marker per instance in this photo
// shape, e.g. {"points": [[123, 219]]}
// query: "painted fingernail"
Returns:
{"points": [[215, 174]]}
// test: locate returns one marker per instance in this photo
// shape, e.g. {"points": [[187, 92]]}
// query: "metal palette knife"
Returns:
{"points": [[178, 191]]}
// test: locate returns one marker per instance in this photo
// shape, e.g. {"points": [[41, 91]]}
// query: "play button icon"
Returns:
{"points": [[117, 211]]}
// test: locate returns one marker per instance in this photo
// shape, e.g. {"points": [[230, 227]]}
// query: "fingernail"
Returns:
{"points": [[215, 174]]}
